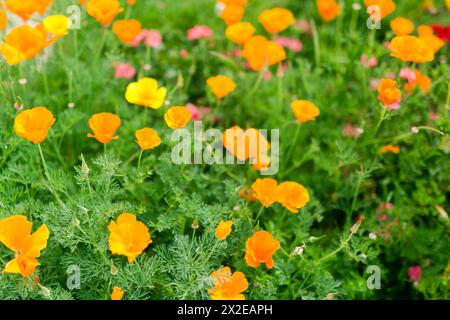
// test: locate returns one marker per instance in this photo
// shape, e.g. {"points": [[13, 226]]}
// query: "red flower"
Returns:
{"points": [[443, 32]]}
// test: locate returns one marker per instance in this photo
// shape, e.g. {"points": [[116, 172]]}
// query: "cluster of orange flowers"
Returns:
{"points": [[291, 195], [259, 51], [25, 42]]}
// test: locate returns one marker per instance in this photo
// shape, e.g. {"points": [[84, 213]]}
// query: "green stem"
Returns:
{"points": [[47, 175], [257, 82], [380, 121], [261, 209], [293, 144], [316, 42], [342, 246], [139, 160]]}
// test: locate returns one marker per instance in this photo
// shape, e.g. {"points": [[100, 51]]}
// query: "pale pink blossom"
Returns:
{"points": [[415, 273], [433, 116], [303, 25], [124, 70], [373, 83], [389, 75], [267, 75], [367, 62], [153, 39], [183, 53], [197, 113], [408, 74], [139, 38], [351, 131], [290, 43], [236, 53], [199, 32], [394, 106]]}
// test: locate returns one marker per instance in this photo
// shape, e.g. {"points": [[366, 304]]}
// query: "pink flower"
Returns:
{"points": [[267, 75], [236, 53], [303, 25], [290, 43], [389, 75], [433, 116], [351, 131], [183, 53], [124, 70], [197, 113], [139, 38], [415, 273], [373, 83], [367, 62], [408, 74], [153, 39], [394, 106], [199, 32]]}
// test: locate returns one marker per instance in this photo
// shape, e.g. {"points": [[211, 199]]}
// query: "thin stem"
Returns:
{"points": [[293, 144], [140, 158], [261, 209], [316, 42], [342, 246], [257, 82], [380, 121], [47, 175], [101, 46], [13, 88]]}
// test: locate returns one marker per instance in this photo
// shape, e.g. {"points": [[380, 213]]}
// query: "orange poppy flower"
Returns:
{"points": [[223, 230], [3, 20], [261, 162], [117, 293], [388, 93], [131, 2], [57, 25], [128, 237], [266, 191], [221, 86], [104, 125], [424, 30], [26, 8], [127, 30], [245, 144], [411, 49], [422, 82], [386, 7], [228, 286], [304, 110], [390, 148], [147, 138], [232, 14], [402, 26], [260, 248], [260, 53], [240, 32], [276, 20], [177, 117], [34, 124], [104, 11], [22, 43], [432, 42], [146, 93], [328, 9], [15, 234], [292, 196]]}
